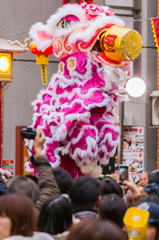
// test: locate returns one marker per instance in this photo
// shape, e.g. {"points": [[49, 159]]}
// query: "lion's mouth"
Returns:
{"points": [[97, 47]]}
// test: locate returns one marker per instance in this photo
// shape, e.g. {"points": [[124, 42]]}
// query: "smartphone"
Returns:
{"points": [[123, 173]]}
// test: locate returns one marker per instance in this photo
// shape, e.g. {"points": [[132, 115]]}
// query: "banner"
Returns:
{"points": [[9, 165], [133, 150], [155, 26]]}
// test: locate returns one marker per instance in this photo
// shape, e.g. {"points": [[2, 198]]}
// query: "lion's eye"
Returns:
{"points": [[65, 23]]}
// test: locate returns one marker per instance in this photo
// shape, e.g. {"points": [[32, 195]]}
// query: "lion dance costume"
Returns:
{"points": [[76, 110]]}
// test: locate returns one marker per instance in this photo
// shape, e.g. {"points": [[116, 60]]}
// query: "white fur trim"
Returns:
{"points": [[65, 150], [103, 148], [92, 28], [70, 132], [66, 31], [84, 117], [60, 133], [57, 163], [68, 9], [108, 137], [82, 131], [33, 33], [91, 143], [27, 167], [114, 128], [92, 105]]}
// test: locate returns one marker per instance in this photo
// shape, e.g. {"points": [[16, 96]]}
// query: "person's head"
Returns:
{"points": [[108, 186], [153, 227], [32, 177], [55, 216], [143, 179], [152, 189], [116, 174], [154, 177], [85, 193], [93, 229], [63, 179], [16, 216], [149, 198], [24, 186], [112, 207]]}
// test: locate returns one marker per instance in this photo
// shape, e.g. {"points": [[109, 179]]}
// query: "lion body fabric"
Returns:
{"points": [[76, 110]]}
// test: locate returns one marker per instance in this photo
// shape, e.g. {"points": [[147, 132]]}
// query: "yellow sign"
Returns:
{"points": [[136, 221], [43, 61]]}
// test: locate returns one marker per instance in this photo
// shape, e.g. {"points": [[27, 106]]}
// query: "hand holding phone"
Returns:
{"points": [[123, 173], [132, 186]]}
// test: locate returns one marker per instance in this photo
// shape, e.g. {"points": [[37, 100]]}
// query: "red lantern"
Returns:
{"points": [[34, 50], [42, 59]]}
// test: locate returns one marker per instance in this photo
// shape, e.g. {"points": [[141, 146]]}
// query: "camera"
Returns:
{"points": [[28, 133], [5, 175]]}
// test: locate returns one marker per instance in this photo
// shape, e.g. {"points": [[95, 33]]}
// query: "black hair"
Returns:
{"points": [[85, 192], [95, 229], [112, 207], [55, 216], [101, 178], [34, 178], [154, 177], [63, 179], [109, 185]]}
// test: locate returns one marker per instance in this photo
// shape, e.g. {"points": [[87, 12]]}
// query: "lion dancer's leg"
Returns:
{"points": [[83, 147], [108, 134]]}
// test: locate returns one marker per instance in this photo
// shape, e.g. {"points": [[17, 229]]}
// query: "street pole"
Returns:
{"points": [[121, 124]]}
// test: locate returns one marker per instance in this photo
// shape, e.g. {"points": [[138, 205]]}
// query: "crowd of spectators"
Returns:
{"points": [[54, 206]]}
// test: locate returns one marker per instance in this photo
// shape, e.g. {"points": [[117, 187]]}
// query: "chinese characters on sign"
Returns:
{"points": [[133, 150], [109, 42]]}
